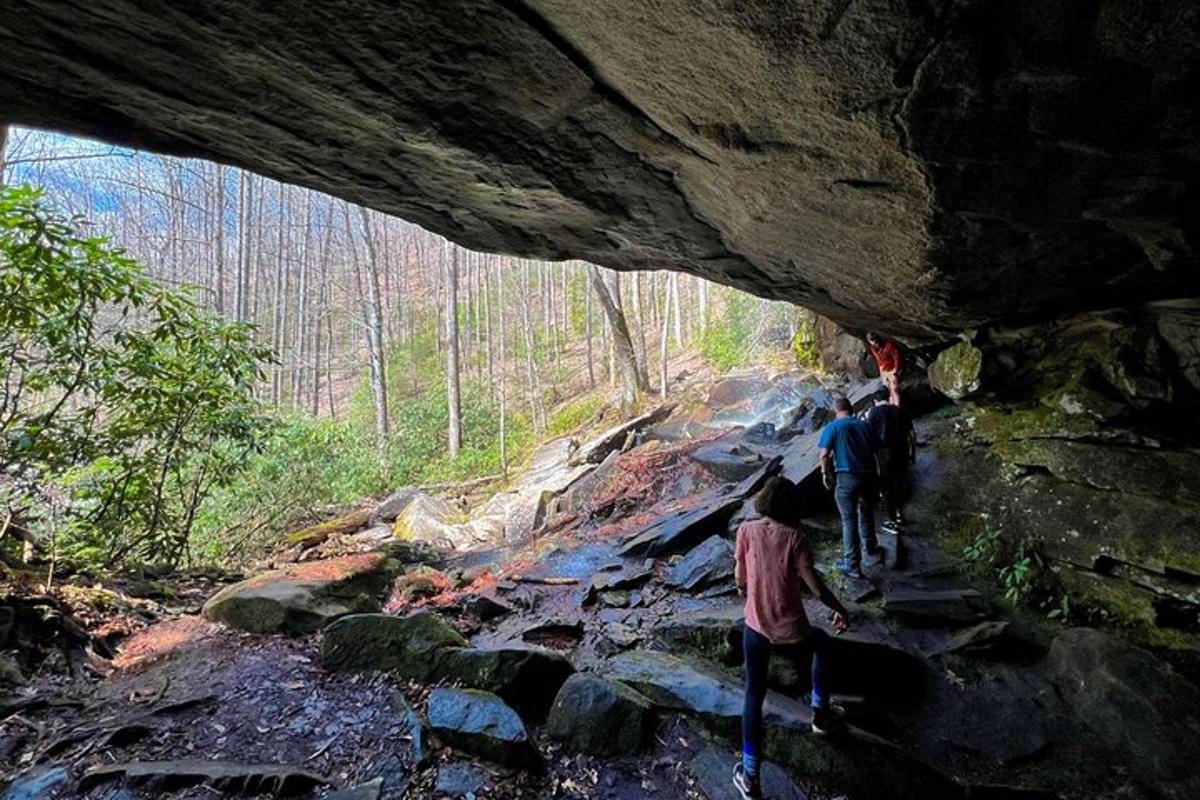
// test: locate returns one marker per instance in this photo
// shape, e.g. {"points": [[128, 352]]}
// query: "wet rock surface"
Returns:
{"points": [[710, 562]]}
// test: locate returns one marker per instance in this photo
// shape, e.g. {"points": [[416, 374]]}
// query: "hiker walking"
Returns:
{"points": [[887, 357], [847, 450], [774, 566], [894, 429]]}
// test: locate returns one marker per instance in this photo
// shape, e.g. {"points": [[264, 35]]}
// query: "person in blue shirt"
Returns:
{"points": [[847, 449]]}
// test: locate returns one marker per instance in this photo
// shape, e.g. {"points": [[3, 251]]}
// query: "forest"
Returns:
{"points": [[203, 359]]}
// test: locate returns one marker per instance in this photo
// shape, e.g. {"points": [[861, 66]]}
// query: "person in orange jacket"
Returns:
{"points": [[887, 356]]}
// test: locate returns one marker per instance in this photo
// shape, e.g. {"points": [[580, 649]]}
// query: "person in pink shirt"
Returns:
{"points": [[774, 568]]}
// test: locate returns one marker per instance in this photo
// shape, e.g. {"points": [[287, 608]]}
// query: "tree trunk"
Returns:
{"points": [[374, 316], [662, 352], [503, 379], [638, 311], [587, 333], [622, 344], [677, 310], [3, 151], [220, 237], [453, 395]]}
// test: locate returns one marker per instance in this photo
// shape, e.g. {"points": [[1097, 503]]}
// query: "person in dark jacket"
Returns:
{"points": [[894, 429], [847, 450]]}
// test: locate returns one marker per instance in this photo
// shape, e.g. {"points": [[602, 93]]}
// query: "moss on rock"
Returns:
{"points": [[957, 371]]}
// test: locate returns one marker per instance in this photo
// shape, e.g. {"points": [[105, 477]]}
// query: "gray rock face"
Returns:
{"points": [[921, 168], [481, 724], [711, 562], [1136, 710], [599, 717], [526, 677], [393, 505]]}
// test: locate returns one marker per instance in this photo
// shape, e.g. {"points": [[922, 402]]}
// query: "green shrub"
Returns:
{"points": [[125, 403], [728, 342], [303, 465], [570, 416]]}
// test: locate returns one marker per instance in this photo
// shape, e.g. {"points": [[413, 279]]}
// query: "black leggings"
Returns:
{"points": [[758, 649]]}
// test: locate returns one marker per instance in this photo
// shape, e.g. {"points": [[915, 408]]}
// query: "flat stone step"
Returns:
{"points": [[713, 771], [945, 606]]}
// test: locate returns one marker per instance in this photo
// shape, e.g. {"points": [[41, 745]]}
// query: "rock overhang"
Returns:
{"points": [[923, 169]]}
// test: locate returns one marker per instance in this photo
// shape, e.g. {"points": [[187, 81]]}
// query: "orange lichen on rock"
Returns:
{"points": [[329, 570], [162, 640]]}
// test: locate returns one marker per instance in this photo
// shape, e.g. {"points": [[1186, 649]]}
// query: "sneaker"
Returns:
{"points": [[852, 572], [827, 719], [748, 788], [890, 526]]}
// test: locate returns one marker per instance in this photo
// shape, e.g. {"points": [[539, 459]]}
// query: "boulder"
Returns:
{"points": [[414, 729], [37, 785], [305, 597], [425, 519], [486, 608], [956, 371], [729, 463], [526, 677], [613, 439], [710, 562], [461, 780], [480, 723], [598, 717], [420, 582], [1137, 713], [230, 777], [680, 532], [393, 505], [415, 646], [615, 581]]}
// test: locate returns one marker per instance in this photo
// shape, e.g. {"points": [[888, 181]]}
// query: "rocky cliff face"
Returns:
{"points": [[922, 167]]}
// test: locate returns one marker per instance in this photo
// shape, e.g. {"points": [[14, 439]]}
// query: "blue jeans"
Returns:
{"points": [[758, 649], [855, 495]]}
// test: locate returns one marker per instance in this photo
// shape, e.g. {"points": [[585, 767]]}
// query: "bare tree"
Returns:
{"points": [[621, 342], [374, 320], [453, 393], [3, 150]]}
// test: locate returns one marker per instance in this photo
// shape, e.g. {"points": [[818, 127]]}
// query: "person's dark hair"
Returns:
{"points": [[779, 499], [882, 395], [874, 337], [843, 404]]}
